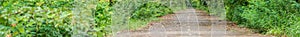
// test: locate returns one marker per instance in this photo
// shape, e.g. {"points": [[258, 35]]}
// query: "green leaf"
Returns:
{"points": [[21, 29], [2, 20]]}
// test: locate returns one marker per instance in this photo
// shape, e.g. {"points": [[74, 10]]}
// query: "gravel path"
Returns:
{"points": [[187, 23]]}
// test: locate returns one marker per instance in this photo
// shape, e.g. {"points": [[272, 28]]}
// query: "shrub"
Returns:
{"points": [[35, 18], [150, 10], [199, 4], [46, 18], [274, 17]]}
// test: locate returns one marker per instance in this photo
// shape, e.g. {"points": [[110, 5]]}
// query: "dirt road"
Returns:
{"points": [[188, 23]]}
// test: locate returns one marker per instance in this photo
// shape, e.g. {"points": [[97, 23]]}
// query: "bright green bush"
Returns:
{"points": [[273, 17], [199, 4], [35, 18], [150, 10], [103, 17], [46, 18]]}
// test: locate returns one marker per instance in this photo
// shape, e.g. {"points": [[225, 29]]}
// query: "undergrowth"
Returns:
{"points": [[271, 17], [52, 18]]}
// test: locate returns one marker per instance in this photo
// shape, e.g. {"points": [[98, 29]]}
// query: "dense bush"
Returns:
{"points": [[274, 17], [35, 18], [103, 17], [199, 4], [151, 9], [46, 18]]}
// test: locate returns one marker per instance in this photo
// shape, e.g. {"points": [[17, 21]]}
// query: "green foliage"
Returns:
{"points": [[47, 18], [151, 9], [35, 18], [199, 4], [274, 17], [103, 18]]}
